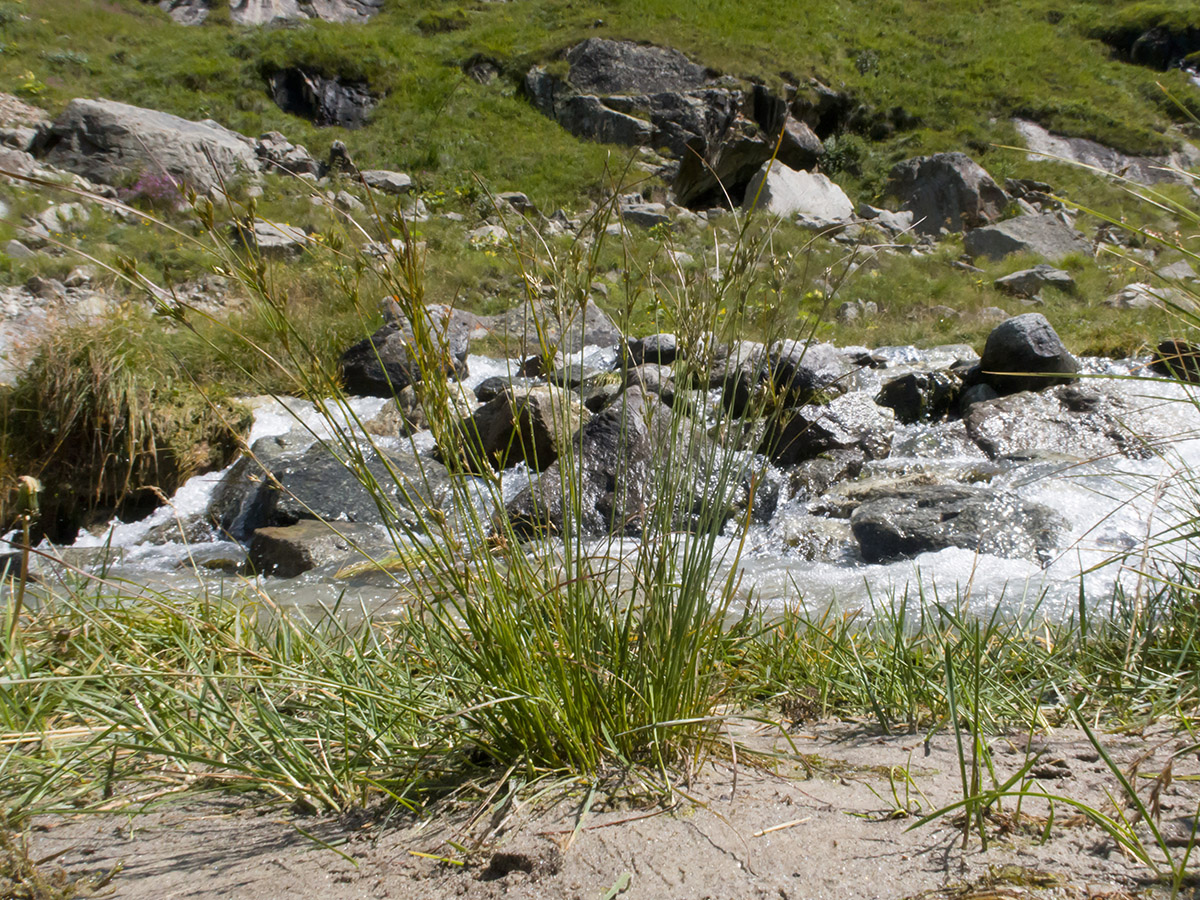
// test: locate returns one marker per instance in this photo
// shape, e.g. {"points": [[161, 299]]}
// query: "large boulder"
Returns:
{"points": [[919, 396], [110, 143], [946, 191], [614, 454], [262, 12], [639, 95], [1024, 353], [1043, 235], [623, 460], [600, 66], [809, 196], [283, 482], [903, 521]]}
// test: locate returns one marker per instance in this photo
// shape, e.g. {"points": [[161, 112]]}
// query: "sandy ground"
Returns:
{"points": [[833, 826]]}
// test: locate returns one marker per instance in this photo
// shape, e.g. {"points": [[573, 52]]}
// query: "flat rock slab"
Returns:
{"points": [[1046, 146], [263, 12], [295, 549], [1084, 421], [1043, 235]]}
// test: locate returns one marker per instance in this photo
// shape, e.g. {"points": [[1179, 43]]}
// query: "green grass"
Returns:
{"points": [[961, 69]]}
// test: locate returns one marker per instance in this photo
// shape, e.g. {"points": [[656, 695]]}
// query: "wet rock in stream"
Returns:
{"points": [[282, 485], [902, 522], [1080, 420]]}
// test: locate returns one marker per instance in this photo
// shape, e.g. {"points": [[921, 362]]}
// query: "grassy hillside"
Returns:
{"points": [[962, 69]]}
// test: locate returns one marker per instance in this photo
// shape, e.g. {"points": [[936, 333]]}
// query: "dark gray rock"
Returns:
{"points": [[851, 422], [287, 479], [115, 143], [800, 147], [737, 369], [590, 117], [600, 66], [1028, 282], [491, 388], [947, 191], [637, 95], [1024, 353], [387, 361], [1177, 359], [322, 100], [920, 396], [292, 550], [531, 426], [903, 522], [1042, 235], [813, 477], [655, 348], [803, 372], [317, 485], [724, 160], [624, 455], [976, 393], [615, 454]]}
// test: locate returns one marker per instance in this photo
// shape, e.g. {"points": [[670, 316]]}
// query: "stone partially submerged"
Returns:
{"points": [[903, 521], [1024, 353]]}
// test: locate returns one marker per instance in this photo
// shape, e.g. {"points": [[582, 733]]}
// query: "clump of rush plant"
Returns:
{"points": [[106, 421], [568, 649]]}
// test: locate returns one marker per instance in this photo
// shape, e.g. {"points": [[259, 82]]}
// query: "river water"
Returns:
{"points": [[1120, 512]]}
